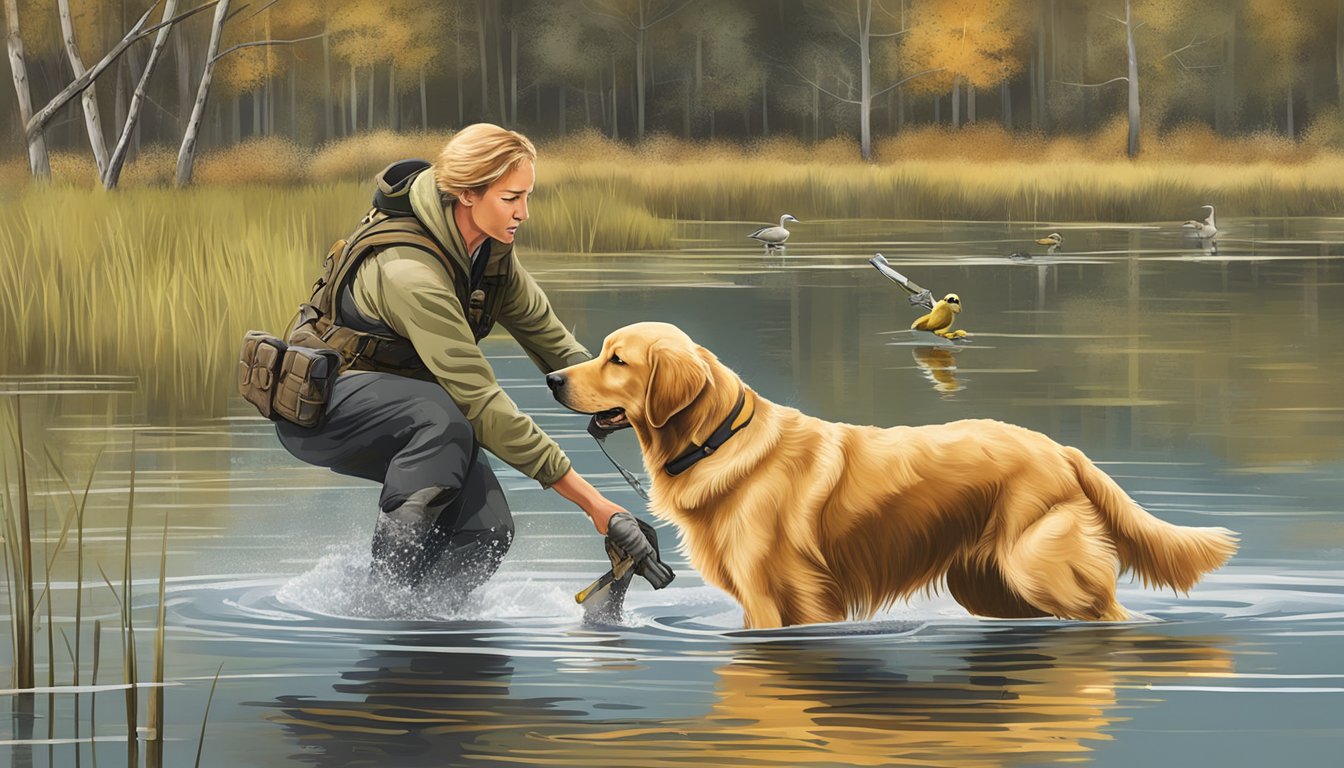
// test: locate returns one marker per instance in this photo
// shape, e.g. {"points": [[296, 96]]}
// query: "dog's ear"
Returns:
{"points": [[676, 377]]}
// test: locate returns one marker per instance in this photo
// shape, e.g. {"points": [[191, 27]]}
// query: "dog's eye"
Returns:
{"points": [[616, 360]]}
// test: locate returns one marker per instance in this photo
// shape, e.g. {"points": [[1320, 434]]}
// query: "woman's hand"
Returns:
{"points": [[579, 491]]}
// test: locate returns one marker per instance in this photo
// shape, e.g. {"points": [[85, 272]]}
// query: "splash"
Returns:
{"points": [[339, 586]]}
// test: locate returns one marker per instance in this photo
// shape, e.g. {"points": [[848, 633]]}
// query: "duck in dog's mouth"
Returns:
{"points": [[612, 419]]}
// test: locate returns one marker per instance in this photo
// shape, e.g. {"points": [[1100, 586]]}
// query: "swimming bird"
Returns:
{"points": [[939, 321], [1204, 228], [773, 237], [1054, 240]]}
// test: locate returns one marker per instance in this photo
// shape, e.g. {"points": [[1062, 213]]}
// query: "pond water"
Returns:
{"points": [[1207, 383]]}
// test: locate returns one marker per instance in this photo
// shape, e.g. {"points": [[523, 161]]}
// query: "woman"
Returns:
{"points": [[414, 409]]}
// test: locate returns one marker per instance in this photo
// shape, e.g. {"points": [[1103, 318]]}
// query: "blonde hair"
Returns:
{"points": [[477, 156]]}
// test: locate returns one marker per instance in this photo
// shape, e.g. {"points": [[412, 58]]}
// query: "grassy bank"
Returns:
{"points": [[161, 284]]}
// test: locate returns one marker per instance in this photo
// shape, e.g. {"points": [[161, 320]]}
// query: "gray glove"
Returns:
{"points": [[624, 533]]}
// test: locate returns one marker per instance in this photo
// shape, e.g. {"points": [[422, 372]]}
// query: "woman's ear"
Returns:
{"points": [[468, 197], [676, 378]]}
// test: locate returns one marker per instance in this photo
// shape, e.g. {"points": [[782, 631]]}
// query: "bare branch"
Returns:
{"points": [[40, 118], [819, 87], [254, 43], [612, 16], [905, 80], [1094, 85], [260, 10], [888, 34], [845, 34], [667, 14], [1116, 19]]}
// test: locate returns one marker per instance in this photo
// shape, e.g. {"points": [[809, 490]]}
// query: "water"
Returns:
{"points": [[1205, 383]]}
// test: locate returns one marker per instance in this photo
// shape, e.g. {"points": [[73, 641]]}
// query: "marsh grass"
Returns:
{"points": [[16, 527], [161, 284]]}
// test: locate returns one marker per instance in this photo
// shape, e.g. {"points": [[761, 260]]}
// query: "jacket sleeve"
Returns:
{"points": [[526, 313], [412, 293]]}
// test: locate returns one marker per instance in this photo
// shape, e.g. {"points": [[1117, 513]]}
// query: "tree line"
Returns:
{"points": [[109, 75]]}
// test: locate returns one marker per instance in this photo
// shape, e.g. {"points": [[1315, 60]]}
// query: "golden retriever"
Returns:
{"points": [[803, 520]]}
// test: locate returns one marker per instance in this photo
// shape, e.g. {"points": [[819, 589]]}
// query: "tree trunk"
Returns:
{"points": [[564, 94], [38, 162], [257, 105], [1291, 128], [118, 159], [513, 73], [328, 114], [587, 106], [505, 118], [900, 109], [424, 103], [816, 103], [457, 64], [392, 95], [639, 74], [372, 89], [697, 98], [765, 107], [615, 116], [354, 100], [1006, 95], [1339, 57], [93, 120], [237, 122], [132, 72], [485, 71], [186, 155], [93, 124], [293, 102], [956, 102], [1133, 82], [865, 85], [970, 102]]}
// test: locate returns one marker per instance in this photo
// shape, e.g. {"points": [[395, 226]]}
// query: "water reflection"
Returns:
{"points": [[939, 365], [1024, 695]]}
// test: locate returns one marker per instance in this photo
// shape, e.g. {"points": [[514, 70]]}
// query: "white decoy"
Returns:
{"points": [[1054, 240], [1204, 228], [773, 237]]}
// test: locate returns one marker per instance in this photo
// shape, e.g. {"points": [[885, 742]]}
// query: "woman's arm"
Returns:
{"points": [[580, 492], [527, 314]]}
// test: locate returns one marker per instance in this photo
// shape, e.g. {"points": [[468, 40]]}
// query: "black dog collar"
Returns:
{"points": [[720, 436]]}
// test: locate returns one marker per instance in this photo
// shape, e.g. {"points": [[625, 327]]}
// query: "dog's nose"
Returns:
{"points": [[555, 381]]}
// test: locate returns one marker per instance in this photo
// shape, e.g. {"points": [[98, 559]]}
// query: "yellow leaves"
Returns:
{"points": [[977, 40]]}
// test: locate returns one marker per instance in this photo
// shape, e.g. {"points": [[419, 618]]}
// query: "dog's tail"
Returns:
{"points": [[1161, 554]]}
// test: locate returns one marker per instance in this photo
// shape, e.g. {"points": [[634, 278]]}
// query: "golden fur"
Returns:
{"points": [[804, 520]]}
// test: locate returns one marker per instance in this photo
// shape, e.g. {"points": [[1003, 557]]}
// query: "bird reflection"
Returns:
{"points": [[939, 365]]}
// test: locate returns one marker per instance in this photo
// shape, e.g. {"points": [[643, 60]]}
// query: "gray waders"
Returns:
{"points": [[444, 520]]}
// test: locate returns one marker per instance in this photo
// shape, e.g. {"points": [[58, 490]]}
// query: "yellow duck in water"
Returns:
{"points": [[939, 320]]}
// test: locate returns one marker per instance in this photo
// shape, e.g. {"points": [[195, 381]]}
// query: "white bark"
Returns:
{"points": [[114, 166], [38, 161], [93, 123], [186, 155], [1133, 82]]}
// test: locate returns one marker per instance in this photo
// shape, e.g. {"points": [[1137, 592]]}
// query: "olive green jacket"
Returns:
{"points": [[410, 292]]}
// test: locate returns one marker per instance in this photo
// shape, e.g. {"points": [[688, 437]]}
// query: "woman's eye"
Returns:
{"points": [[616, 360], [509, 199]]}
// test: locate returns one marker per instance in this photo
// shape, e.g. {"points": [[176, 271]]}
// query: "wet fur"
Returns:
{"points": [[804, 520]]}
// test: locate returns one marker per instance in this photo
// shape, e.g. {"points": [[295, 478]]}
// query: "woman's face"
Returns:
{"points": [[503, 206]]}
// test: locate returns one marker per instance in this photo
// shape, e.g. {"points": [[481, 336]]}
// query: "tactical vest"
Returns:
{"points": [[330, 319]]}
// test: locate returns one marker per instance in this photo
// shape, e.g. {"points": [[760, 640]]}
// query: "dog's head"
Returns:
{"points": [[645, 374]]}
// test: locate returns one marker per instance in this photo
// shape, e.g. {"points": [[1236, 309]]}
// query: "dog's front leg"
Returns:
{"points": [[760, 612]]}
